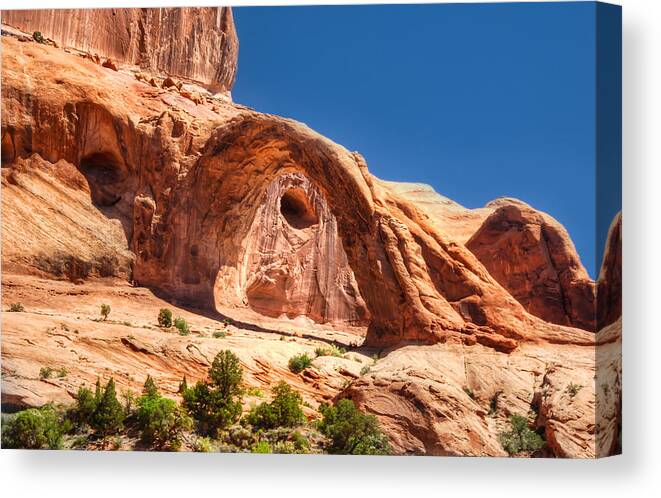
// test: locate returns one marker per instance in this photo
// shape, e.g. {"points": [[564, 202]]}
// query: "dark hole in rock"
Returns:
{"points": [[104, 177], [297, 209]]}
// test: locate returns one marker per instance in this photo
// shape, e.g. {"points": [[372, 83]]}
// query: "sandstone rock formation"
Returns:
{"points": [[609, 285], [532, 256], [224, 211], [526, 251], [198, 44]]}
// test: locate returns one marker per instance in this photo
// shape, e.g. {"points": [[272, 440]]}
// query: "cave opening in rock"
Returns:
{"points": [[297, 210], [104, 176]]}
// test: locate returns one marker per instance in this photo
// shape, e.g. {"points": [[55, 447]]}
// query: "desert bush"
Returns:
{"points": [[182, 326], [38, 37], [261, 447], [62, 372], [217, 404], [219, 334], [572, 389], [331, 350], [284, 410], [520, 439], [45, 373], [493, 403], [299, 362], [365, 370], [255, 391], [350, 431], [105, 311], [203, 445], [160, 420], [35, 428], [469, 392], [165, 318], [16, 307]]}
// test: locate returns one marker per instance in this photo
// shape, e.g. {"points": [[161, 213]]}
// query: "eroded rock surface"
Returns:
{"points": [[294, 262], [532, 256], [199, 44]]}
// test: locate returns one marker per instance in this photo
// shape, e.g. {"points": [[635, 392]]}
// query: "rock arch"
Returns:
{"points": [[404, 269]]}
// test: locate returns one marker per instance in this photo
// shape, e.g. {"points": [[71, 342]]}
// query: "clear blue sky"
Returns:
{"points": [[479, 101]]}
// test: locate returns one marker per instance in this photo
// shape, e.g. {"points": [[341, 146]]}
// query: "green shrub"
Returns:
{"points": [[572, 389], [45, 372], [299, 362], [85, 406], [160, 420], [38, 37], [105, 311], [62, 372], [165, 318], [284, 411], [520, 439], [16, 307], [365, 370], [493, 403], [34, 428], [331, 350], [219, 334], [469, 392], [182, 326], [203, 445], [255, 391], [350, 431], [108, 417], [261, 447], [216, 405]]}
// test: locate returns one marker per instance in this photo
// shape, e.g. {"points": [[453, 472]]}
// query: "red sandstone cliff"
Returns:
{"points": [[198, 44]]}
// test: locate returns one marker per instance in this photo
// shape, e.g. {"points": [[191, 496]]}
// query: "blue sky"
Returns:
{"points": [[479, 101]]}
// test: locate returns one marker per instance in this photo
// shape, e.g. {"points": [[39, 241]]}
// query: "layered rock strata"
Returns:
{"points": [[198, 44]]}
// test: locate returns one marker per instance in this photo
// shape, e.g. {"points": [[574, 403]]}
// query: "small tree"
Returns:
{"points": [[182, 326], [34, 428], [161, 421], [217, 404], [226, 373], [109, 415], [85, 406], [149, 389], [520, 439], [350, 431], [105, 311], [299, 362], [284, 411], [165, 318]]}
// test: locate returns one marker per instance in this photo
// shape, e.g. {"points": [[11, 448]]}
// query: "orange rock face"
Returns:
{"points": [[532, 256], [217, 208], [199, 44], [609, 285]]}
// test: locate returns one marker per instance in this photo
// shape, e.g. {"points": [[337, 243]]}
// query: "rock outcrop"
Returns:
{"points": [[531, 255], [198, 44], [609, 285]]}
